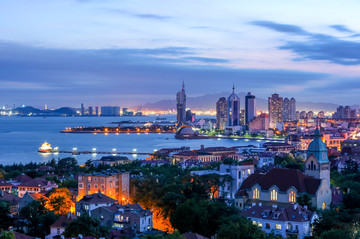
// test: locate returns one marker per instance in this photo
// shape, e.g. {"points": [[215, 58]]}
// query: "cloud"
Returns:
{"points": [[109, 76], [150, 16], [317, 46], [285, 28], [341, 28]]}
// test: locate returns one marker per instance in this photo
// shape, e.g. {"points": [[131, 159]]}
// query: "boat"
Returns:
{"points": [[45, 148]]}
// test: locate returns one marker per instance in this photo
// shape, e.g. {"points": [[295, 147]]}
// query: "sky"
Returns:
{"points": [[131, 52]]}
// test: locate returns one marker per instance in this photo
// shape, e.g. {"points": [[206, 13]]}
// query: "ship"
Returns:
{"points": [[45, 148]]}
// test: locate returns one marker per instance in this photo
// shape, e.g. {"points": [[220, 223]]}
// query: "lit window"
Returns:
{"points": [[278, 226], [323, 205], [256, 193], [292, 197], [249, 171], [259, 224], [273, 195]]}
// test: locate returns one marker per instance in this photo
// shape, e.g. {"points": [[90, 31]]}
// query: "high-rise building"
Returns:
{"points": [[310, 115], [181, 105], [233, 109], [110, 111], [91, 112], [321, 115], [275, 104], [97, 110], [221, 113], [286, 109], [347, 111], [292, 109], [190, 116], [82, 111], [250, 107]]}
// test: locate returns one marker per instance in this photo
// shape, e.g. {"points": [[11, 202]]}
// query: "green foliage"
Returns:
{"points": [[238, 227], [7, 235], [305, 200], [336, 234], [202, 217], [40, 218], [86, 226], [175, 235], [71, 183], [290, 162], [5, 219]]}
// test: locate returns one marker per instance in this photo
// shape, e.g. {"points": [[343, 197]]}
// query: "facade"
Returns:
{"points": [[221, 113], [292, 109], [91, 112], [97, 111], [181, 106], [238, 173], [286, 110], [110, 111], [259, 123], [233, 110], [58, 227], [90, 202], [275, 106], [282, 186], [293, 220], [113, 184], [250, 108], [127, 216]]}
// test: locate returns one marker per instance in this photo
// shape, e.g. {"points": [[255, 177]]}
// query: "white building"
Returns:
{"points": [[294, 220]]}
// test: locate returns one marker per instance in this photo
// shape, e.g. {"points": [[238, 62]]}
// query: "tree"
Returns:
{"points": [[203, 217], [336, 233], [60, 201], [305, 200], [238, 227], [66, 165], [7, 235], [86, 226], [5, 219]]}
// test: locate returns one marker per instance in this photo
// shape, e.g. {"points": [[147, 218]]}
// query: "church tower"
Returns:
{"points": [[317, 164]]}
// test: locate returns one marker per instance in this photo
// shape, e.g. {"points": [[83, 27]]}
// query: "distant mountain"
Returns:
{"points": [[208, 102], [29, 110]]}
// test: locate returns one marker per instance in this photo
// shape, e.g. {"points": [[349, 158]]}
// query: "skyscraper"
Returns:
{"points": [[250, 107], [221, 113], [97, 110], [286, 110], [292, 109], [181, 105], [91, 111], [275, 104], [82, 109], [233, 109]]}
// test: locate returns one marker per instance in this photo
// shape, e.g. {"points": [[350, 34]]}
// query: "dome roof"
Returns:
{"points": [[317, 146], [185, 130]]}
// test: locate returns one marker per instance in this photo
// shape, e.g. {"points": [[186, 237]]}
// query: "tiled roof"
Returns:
{"points": [[3, 183], [283, 179], [22, 178], [97, 198], [19, 235], [11, 198], [293, 212], [64, 221]]}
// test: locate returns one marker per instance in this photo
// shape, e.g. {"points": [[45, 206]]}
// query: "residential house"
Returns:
{"points": [[93, 201]]}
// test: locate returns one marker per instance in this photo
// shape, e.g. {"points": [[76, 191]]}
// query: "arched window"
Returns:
{"points": [[256, 193], [292, 197], [273, 195], [323, 206]]}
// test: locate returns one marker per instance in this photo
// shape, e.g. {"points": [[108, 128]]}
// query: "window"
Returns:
{"points": [[273, 195], [256, 193], [239, 174], [323, 205], [267, 225], [58, 231], [81, 185], [95, 185], [259, 224], [277, 226], [249, 171], [292, 197]]}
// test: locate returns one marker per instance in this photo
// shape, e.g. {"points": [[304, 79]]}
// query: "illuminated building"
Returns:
{"points": [[82, 109], [91, 112], [97, 111], [110, 111], [321, 115], [112, 184], [289, 109], [233, 109], [181, 106], [292, 109], [275, 106], [250, 107], [221, 113]]}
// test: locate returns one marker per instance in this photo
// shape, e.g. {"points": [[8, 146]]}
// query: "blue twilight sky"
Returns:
{"points": [[128, 52]]}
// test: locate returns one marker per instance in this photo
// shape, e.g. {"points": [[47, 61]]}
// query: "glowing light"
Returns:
{"points": [[94, 149], [113, 149], [134, 150], [74, 149]]}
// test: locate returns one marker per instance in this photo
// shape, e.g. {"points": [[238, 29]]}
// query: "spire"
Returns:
{"points": [[233, 88], [183, 85]]}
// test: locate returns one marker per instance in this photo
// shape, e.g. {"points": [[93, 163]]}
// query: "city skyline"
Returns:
{"points": [[101, 53]]}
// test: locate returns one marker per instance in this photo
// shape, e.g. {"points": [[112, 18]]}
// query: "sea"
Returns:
{"points": [[21, 137]]}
